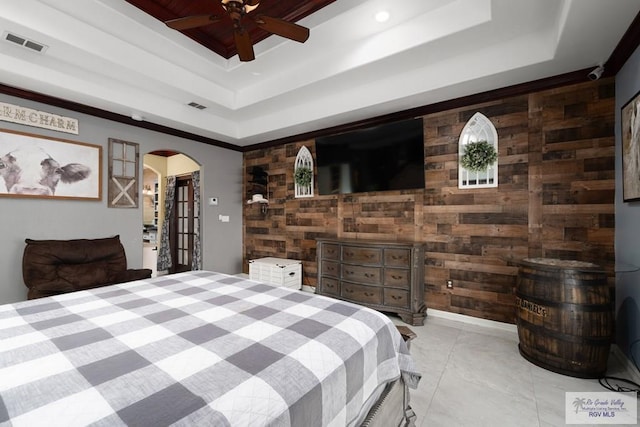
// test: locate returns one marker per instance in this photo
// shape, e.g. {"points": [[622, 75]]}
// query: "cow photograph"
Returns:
{"points": [[37, 166], [631, 149]]}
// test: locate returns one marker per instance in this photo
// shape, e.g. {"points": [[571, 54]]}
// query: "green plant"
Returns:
{"points": [[303, 176], [478, 155]]}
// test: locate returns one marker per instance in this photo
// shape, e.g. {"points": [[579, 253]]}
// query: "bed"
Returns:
{"points": [[201, 348]]}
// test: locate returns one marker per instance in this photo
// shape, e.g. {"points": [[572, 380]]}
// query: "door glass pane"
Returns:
{"points": [[118, 151], [129, 152], [117, 168], [130, 169]]}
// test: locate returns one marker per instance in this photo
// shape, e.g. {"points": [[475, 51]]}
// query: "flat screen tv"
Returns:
{"points": [[380, 158]]}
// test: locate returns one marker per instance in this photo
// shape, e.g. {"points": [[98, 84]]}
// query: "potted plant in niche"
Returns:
{"points": [[303, 176], [478, 156]]}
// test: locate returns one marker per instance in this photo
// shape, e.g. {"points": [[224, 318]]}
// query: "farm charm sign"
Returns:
{"points": [[26, 116]]}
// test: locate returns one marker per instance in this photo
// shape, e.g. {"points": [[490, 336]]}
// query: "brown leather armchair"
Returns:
{"points": [[52, 267]]}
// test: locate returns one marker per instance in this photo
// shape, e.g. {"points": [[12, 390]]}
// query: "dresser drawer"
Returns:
{"points": [[330, 286], [362, 255], [397, 257], [361, 293], [358, 273], [397, 277], [330, 251], [330, 268], [396, 298]]}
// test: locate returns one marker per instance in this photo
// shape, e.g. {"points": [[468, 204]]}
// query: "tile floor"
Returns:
{"points": [[474, 376]]}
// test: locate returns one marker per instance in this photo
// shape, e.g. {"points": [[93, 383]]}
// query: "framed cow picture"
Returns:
{"points": [[44, 167], [630, 121]]}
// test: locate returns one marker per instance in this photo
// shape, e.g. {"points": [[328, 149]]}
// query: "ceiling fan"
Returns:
{"points": [[237, 10]]}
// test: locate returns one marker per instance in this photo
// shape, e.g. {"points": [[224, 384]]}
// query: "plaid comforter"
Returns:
{"points": [[198, 348]]}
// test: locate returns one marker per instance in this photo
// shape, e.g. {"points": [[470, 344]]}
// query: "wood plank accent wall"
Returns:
{"points": [[555, 199]]}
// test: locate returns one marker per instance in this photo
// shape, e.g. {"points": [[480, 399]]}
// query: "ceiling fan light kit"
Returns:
{"points": [[245, 7], [237, 11]]}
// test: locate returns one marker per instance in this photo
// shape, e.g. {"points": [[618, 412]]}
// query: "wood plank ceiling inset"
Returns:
{"points": [[218, 37]]}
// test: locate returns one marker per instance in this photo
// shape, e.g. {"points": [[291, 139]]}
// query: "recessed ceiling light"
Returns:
{"points": [[382, 16]]}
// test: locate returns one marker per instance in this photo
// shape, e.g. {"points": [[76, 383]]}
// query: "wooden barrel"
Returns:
{"points": [[564, 316]]}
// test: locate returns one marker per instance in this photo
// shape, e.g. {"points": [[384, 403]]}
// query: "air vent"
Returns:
{"points": [[24, 42], [196, 105]]}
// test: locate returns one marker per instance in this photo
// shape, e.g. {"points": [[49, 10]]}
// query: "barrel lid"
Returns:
{"points": [[562, 263]]}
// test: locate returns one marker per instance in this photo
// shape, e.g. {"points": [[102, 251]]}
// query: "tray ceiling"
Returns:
{"points": [[119, 56]]}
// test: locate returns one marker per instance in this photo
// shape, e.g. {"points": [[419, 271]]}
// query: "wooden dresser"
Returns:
{"points": [[386, 276]]}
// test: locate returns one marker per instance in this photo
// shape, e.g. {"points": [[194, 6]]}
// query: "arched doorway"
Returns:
{"points": [[177, 210]]}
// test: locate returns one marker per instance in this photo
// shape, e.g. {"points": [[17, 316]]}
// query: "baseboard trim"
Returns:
{"points": [[628, 365], [472, 320]]}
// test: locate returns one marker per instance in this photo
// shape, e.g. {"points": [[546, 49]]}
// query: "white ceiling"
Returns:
{"points": [[110, 55]]}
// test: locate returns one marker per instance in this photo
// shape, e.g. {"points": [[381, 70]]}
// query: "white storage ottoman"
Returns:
{"points": [[277, 271]]}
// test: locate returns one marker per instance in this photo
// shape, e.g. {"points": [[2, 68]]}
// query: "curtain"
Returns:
{"points": [[164, 253], [196, 261]]}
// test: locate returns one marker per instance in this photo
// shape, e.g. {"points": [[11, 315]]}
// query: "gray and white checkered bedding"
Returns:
{"points": [[198, 348]]}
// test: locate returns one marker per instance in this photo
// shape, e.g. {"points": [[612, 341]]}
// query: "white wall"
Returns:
{"points": [[627, 226], [20, 218]]}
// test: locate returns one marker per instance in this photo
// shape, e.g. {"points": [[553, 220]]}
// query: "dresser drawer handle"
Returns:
{"points": [[393, 276], [349, 291], [396, 297], [369, 275], [368, 256], [397, 257], [329, 286], [349, 273], [369, 294]]}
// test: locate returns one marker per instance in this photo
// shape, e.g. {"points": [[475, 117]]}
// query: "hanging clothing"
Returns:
{"points": [[196, 260], [164, 251]]}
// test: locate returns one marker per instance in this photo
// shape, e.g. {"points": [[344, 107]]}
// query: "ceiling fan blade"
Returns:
{"points": [[244, 45], [283, 28], [194, 21]]}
